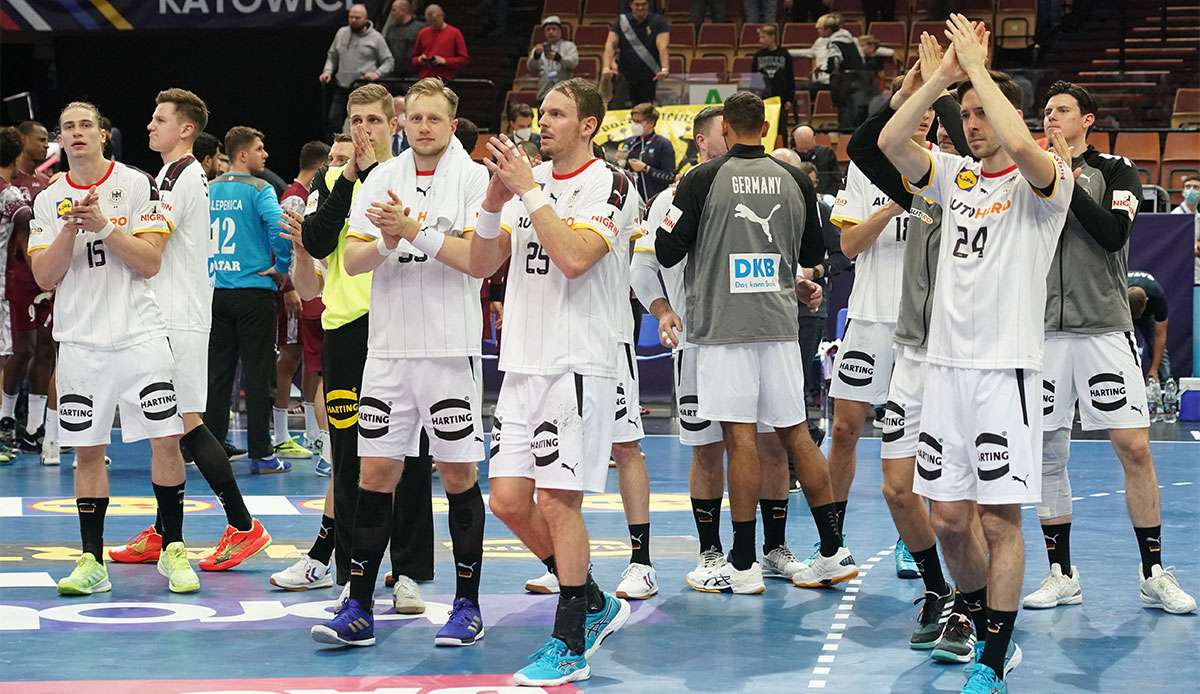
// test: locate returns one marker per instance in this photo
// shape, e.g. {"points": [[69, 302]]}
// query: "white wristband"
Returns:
{"points": [[488, 225], [106, 231], [428, 243], [534, 200], [383, 249]]}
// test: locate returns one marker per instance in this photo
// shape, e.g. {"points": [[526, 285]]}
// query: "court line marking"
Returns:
{"points": [[821, 673]]}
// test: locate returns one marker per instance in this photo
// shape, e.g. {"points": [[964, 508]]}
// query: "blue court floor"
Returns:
{"points": [[240, 635]]}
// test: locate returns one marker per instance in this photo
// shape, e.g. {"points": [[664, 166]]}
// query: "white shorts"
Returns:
{"points": [[94, 384], [190, 350], [902, 412], [6, 341], [1105, 367], [400, 397], [758, 382], [981, 436], [694, 431], [863, 367], [555, 430], [627, 421]]}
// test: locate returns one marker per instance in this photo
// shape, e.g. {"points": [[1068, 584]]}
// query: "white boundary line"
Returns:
{"points": [[833, 637]]}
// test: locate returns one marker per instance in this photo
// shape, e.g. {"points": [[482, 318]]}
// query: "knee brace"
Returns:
{"points": [[1056, 484]]}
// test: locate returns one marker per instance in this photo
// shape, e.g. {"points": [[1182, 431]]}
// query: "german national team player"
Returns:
{"points": [[98, 236], [553, 428], [183, 290], [980, 439]]}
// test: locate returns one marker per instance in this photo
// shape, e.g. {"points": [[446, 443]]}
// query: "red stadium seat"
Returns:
{"points": [[1186, 113], [748, 41], [742, 65], [566, 10], [1016, 22], [597, 10], [1101, 141], [590, 39], [717, 38], [1143, 150], [709, 65], [588, 68], [683, 37], [799, 35], [1181, 158], [824, 114]]}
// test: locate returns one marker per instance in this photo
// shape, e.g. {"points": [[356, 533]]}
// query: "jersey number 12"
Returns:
{"points": [[229, 226]]}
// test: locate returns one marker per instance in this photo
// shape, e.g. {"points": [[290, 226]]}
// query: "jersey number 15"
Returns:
{"points": [[95, 253]]}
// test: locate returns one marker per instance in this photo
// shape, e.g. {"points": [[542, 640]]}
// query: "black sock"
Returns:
{"points": [[829, 529], [975, 603], [1058, 545], [213, 462], [707, 513], [931, 569], [595, 596], [91, 524], [999, 633], [639, 541], [551, 565], [841, 516], [170, 508], [570, 616], [774, 520], [1150, 547], [158, 526], [322, 547], [744, 540], [372, 530], [466, 534]]}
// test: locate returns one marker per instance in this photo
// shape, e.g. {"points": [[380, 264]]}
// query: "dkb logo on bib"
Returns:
{"points": [[449, 417], [1107, 391], [75, 412], [374, 418], [689, 406], [544, 445], [856, 368], [158, 401], [753, 273]]}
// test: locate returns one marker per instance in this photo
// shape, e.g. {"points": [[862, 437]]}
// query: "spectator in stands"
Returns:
{"points": [[358, 52], [834, 50], [823, 157], [1148, 309], [520, 125], [441, 50], [554, 59], [467, 133], [400, 31], [636, 50], [805, 10], [876, 58], [651, 157], [342, 150], [207, 150], [1191, 197], [810, 170], [775, 66], [714, 8], [399, 139], [759, 11]]}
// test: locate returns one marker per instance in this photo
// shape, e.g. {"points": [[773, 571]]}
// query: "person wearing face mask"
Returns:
{"points": [[649, 156], [1191, 197], [520, 125]]}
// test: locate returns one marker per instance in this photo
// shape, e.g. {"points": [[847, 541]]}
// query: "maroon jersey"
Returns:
{"points": [[313, 307], [18, 274]]}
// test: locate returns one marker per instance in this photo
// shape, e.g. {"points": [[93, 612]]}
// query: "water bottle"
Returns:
{"points": [[1154, 400], [1170, 402]]}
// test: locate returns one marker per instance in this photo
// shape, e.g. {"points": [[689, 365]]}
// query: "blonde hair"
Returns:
{"points": [[373, 94], [830, 21], [187, 104], [84, 105], [433, 86]]}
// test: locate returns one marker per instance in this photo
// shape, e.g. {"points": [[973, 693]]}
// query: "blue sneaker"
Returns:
{"points": [[906, 566], [553, 664], [464, 627], [324, 468], [983, 680], [351, 626], [604, 623], [1011, 659], [269, 466]]}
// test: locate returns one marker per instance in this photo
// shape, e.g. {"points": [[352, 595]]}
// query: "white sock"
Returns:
{"points": [[281, 425], [9, 407], [51, 426], [37, 412], [311, 430], [326, 449]]}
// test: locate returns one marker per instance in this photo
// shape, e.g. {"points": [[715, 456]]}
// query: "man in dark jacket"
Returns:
{"points": [[649, 156]]}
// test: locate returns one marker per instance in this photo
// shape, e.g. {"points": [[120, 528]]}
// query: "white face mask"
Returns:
{"points": [[637, 129], [523, 133]]}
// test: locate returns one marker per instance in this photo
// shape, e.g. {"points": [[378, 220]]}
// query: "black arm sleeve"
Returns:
{"points": [[672, 244], [865, 153], [950, 116], [1110, 228], [322, 228]]}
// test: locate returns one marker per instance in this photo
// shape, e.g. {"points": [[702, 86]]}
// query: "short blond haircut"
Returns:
{"points": [[373, 94], [187, 104], [433, 86], [84, 105], [831, 21]]}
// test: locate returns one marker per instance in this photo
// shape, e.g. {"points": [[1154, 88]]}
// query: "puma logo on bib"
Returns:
{"points": [[753, 272]]}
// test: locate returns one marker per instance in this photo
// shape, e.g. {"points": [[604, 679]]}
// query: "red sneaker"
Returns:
{"points": [[142, 548], [236, 547]]}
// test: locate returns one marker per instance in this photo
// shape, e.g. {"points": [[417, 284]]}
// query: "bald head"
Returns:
{"points": [[786, 156], [804, 139], [401, 9], [435, 16], [357, 17]]}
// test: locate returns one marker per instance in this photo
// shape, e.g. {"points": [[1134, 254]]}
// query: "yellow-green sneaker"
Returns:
{"points": [[173, 563], [292, 449], [89, 576]]}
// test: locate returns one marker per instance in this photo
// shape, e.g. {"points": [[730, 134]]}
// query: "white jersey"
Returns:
{"points": [[421, 307], [184, 286], [672, 277], [554, 325], [998, 239], [102, 304], [879, 269], [625, 326]]}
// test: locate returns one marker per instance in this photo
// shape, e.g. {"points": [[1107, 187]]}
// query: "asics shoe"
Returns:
{"points": [[143, 548], [89, 576], [352, 625], [546, 584], [269, 466], [323, 468], [236, 546], [406, 596], [174, 565], [781, 563], [1012, 657], [1162, 590], [464, 627], [306, 574], [825, 572], [906, 566], [983, 680], [638, 582], [599, 626], [553, 665], [1056, 589], [707, 569], [957, 642], [292, 449], [931, 620], [730, 580]]}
